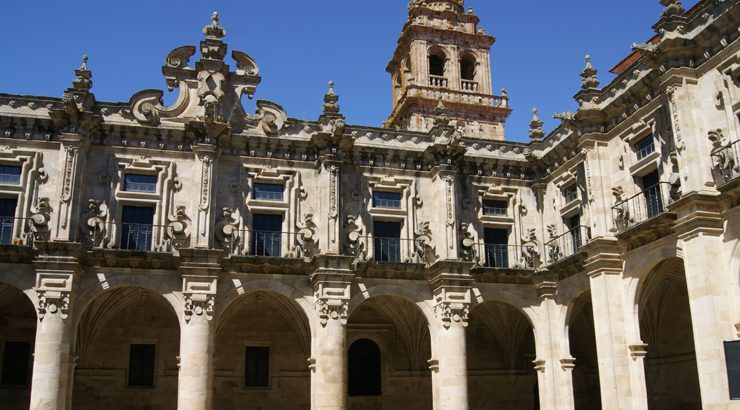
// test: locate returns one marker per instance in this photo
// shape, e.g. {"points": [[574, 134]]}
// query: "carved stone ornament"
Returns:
{"points": [[467, 244], [424, 246], [450, 312], [307, 237], [177, 231], [332, 309], [354, 246], [622, 217], [54, 292], [199, 304], [227, 231], [93, 224], [531, 250], [37, 224]]}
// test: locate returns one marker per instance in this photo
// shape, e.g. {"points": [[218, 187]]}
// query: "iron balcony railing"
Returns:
{"points": [[567, 244], [726, 163], [20, 231], [136, 236], [642, 206], [501, 256], [437, 81], [268, 244]]}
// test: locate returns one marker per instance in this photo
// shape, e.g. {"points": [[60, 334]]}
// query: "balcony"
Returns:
{"points": [[725, 164], [567, 245], [437, 81], [642, 207], [467, 85]]}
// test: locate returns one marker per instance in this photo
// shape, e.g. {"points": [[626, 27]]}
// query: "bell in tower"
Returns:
{"points": [[443, 55]]}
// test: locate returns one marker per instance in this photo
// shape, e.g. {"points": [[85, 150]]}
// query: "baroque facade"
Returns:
{"points": [[196, 256]]}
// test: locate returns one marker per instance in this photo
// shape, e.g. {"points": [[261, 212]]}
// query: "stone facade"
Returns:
{"points": [[198, 256]]}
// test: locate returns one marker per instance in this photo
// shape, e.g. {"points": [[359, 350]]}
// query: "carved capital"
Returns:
{"points": [[332, 301], [54, 291], [452, 305], [200, 296]]}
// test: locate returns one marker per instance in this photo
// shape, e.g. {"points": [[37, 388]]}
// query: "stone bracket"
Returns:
{"points": [[452, 304], [54, 291], [200, 296]]}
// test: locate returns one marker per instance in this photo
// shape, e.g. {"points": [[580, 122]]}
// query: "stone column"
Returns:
{"points": [[197, 334], [554, 373], [328, 361], [57, 269], [622, 379], [700, 230], [452, 297]]}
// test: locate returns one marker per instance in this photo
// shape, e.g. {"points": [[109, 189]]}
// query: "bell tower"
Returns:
{"points": [[443, 55]]}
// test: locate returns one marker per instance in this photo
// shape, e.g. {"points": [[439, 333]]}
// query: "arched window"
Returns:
{"points": [[467, 68], [437, 63], [364, 368]]}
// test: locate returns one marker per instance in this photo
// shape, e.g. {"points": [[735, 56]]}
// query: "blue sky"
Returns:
{"points": [[301, 45]]}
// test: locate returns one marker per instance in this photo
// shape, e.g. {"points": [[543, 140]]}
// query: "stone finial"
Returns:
{"points": [[671, 8], [535, 126], [590, 80], [214, 30], [330, 100], [440, 115], [83, 77]]}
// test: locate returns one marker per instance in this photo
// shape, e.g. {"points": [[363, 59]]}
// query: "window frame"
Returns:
{"points": [[126, 188], [267, 379], [14, 167], [153, 367], [257, 185], [376, 199]]}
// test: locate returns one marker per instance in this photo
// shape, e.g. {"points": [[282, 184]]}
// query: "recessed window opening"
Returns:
{"points": [[268, 192], [496, 247], [467, 68], [257, 366], [10, 175], [7, 217], [266, 235], [437, 64], [364, 375], [141, 365], [495, 208], [387, 241], [16, 364], [140, 183], [645, 147], [137, 228], [570, 193]]}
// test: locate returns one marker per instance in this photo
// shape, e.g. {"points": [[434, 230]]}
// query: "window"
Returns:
{"points": [[467, 68], [732, 357], [257, 366], [387, 200], [140, 183], [387, 241], [653, 198], [437, 65], [10, 175], [7, 217], [141, 365], [495, 208], [570, 193], [266, 235], [16, 363], [363, 369], [574, 224], [645, 147], [497, 249], [137, 228], [268, 192]]}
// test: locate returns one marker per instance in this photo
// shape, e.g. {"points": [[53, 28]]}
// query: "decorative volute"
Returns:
{"points": [[443, 53], [209, 101]]}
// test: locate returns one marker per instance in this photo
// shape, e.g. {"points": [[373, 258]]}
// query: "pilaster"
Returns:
{"points": [[621, 378], [331, 282], [451, 284], [700, 230], [57, 271], [206, 156], [199, 270], [74, 153]]}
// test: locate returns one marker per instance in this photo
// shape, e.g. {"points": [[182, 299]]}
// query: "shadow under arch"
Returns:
{"points": [[23, 280], [581, 344], [501, 347], [418, 299], [236, 288], [18, 321], [127, 340], [665, 325], [91, 290], [290, 309]]}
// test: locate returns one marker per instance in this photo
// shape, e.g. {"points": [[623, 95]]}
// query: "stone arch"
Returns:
{"points": [[468, 65], [23, 279], [290, 309], [112, 327], [666, 327], [17, 342], [167, 287], [418, 298], [437, 60], [394, 319], [501, 347], [582, 347], [264, 321], [525, 301]]}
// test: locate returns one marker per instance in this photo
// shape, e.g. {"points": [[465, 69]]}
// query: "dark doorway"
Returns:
{"points": [[364, 369]]}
